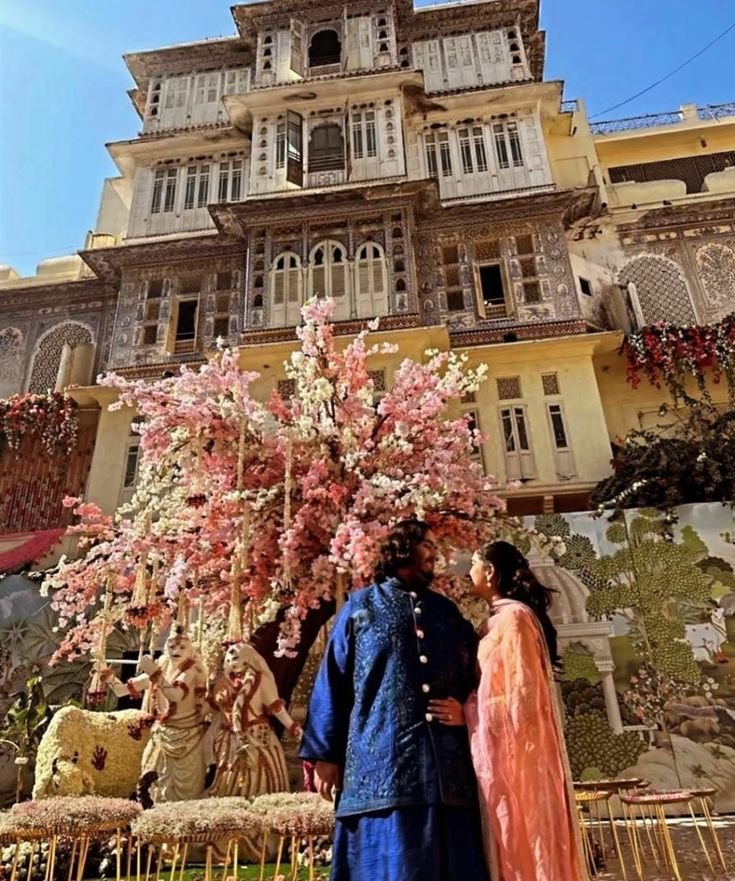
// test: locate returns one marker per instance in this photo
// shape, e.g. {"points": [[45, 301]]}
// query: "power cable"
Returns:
{"points": [[668, 75]]}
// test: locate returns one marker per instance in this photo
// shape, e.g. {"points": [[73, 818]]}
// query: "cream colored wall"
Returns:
{"points": [[108, 460], [644, 145], [114, 213], [627, 408], [571, 360]]}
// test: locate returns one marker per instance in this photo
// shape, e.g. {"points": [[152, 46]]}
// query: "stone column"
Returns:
{"points": [[64, 371], [81, 364], [612, 706]]}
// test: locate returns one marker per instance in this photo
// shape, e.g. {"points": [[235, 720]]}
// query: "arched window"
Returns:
{"points": [[661, 288], [325, 48], [47, 359], [328, 276], [326, 148], [286, 291], [371, 281]]}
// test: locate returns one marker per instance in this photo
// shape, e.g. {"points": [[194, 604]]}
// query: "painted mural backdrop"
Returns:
{"points": [[646, 613]]}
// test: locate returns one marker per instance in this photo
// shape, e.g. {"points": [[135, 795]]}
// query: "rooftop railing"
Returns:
{"points": [[708, 112]]}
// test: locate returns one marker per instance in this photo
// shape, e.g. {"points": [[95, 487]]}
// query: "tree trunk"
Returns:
{"points": [[288, 670]]}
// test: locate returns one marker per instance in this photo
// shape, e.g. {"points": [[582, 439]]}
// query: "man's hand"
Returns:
{"points": [[448, 712], [327, 777]]}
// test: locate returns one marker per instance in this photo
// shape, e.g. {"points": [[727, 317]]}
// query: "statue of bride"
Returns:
{"points": [[247, 756]]}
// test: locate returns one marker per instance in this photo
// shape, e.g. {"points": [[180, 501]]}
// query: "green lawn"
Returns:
{"points": [[250, 873]]}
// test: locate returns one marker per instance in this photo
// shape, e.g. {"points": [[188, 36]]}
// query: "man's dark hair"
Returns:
{"points": [[399, 549]]}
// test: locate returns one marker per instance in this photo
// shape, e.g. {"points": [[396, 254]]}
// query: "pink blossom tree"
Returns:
{"points": [[263, 513]]}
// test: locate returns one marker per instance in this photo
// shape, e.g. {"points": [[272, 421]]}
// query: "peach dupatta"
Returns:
{"points": [[524, 782]]}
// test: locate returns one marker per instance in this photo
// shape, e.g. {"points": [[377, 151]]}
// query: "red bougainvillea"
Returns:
{"points": [[670, 355]]}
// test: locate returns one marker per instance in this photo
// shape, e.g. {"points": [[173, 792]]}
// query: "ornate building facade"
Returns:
{"points": [[412, 164]]}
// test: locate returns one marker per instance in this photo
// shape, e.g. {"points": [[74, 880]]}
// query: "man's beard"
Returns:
{"points": [[423, 579]]}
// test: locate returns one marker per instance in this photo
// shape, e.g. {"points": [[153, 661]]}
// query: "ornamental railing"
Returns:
{"points": [[716, 111], [707, 112], [649, 120]]}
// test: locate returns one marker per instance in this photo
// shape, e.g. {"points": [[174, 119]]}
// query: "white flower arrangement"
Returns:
{"points": [[201, 821], [86, 815], [295, 814]]}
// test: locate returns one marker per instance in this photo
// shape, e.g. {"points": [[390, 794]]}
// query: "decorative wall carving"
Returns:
{"points": [[538, 280], [715, 263], [11, 360]]}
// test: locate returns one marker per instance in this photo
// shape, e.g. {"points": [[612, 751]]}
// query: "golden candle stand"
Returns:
{"points": [[80, 820], [650, 809], [173, 829], [592, 794], [703, 796], [294, 818]]}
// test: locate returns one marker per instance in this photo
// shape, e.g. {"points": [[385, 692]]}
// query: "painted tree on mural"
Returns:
{"points": [[651, 581], [266, 509]]}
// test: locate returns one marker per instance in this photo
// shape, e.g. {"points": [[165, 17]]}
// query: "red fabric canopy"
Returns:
{"points": [[33, 547]]}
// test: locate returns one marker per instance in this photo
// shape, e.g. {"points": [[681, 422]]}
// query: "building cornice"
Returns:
{"points": [[569, 205], [532, 332], [231, 51], [236, 218], [79, 292], [109, 263], [676, 216]]}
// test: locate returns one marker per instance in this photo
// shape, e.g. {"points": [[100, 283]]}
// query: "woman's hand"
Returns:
{"points": [[448, 711], [327, 778]]}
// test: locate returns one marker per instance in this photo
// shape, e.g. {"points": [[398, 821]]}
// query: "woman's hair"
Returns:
{"points": [[517, 582], [399, 549]]}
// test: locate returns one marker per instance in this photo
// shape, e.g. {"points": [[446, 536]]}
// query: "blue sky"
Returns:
{"points": [[63, 88]]}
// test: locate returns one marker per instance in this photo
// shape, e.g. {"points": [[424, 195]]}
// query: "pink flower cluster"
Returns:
{"points": [[298, 489]]}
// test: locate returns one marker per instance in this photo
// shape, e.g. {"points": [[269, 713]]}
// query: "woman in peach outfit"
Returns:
{"points": [[525, 789]]}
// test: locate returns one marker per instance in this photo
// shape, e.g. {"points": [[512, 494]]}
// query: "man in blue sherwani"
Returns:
{"points": [[385, 731]]}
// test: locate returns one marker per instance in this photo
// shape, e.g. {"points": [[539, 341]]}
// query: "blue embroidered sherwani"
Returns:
{"points": [[391, 650]]}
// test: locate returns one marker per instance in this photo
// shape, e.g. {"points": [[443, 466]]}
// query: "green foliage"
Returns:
{"points": [[28, 717], [693, 461], [578, 663], [592, 744], [655, 581]]}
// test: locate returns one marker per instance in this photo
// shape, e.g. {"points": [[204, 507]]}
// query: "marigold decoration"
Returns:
{"points": [[671, 355], [288, 492], [51, 417]]}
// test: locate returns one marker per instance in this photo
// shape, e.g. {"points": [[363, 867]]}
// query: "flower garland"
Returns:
{"points": [[670, 354], [51, 417]]}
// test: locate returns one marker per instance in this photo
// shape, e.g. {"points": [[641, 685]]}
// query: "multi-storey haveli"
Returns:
{"points": [[412, 164]]}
